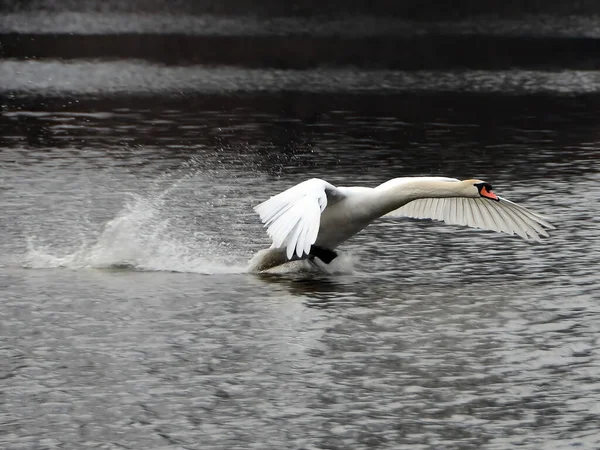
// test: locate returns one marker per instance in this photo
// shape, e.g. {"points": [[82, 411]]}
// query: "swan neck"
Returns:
{"points": [[399, 194]]}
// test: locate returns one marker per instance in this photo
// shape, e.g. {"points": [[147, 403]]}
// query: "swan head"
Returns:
{"points": [[479, 188]]}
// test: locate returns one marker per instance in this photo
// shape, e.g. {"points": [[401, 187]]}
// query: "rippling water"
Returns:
{"points": [[128, 319], [85, 22], [94, 77]]}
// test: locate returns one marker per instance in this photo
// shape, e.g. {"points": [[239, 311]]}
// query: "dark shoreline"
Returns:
{"points": [[432, 52]]}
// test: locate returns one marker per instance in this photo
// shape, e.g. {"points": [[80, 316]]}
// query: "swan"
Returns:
{"points": [[311, 219]]}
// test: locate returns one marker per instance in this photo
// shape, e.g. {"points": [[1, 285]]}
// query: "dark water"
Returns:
{"points": [[127, 318]]}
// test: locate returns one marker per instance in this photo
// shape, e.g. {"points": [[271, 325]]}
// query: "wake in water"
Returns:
{"points": [[197, 224], [140, 238], [153, 232]]}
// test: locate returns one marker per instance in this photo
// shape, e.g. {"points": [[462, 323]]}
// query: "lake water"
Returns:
{"points": [[127, 317]]}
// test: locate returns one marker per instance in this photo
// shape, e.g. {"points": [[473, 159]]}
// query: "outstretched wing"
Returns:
{"points": [[503, 216], [293, 217]]}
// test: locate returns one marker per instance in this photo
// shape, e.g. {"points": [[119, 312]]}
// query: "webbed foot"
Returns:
{"points": [[323, 254]]}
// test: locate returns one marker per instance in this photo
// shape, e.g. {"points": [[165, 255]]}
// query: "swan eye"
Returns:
{"points": [[485, 186]]}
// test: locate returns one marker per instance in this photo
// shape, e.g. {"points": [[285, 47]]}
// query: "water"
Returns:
{"points": [[138, 77], [128, 319], [176, 21]]}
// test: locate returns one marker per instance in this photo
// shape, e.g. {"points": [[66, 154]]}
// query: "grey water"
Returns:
{"points": [[127, 317]]}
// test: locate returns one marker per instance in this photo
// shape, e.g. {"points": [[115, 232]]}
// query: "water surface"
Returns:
{"points": [[128, 319]]}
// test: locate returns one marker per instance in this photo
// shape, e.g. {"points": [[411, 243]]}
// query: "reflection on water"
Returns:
{"points": [[107, 22], [52, 77], [127, 221]]}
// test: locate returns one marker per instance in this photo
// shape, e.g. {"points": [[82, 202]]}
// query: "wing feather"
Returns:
{"points": [[420, 208], [438, 208], [452, 209], [293, 237], [486, 221], [447, 208], [502, 216], [521, 224], [429, 204], [293, 217], [537, 221], [511, 223], [492, 221], [469, 215], [302, 242]]}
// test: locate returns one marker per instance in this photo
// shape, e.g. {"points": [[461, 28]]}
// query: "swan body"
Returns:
{"points": [[312, 218]]}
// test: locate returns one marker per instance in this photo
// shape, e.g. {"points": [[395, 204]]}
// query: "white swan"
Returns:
{"points": [[312, 218]]}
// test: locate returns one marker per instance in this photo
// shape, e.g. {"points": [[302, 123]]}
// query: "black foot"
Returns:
{"points": [[323, 254]]}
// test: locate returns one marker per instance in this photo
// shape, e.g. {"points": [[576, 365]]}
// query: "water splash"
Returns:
{"points": [[183, 220], [145, 235]]}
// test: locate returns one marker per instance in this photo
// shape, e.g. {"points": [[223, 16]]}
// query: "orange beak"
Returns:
{"points": [[489, 194]]}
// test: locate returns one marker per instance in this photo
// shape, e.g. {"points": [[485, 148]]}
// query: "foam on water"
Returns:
{"points": [[136, 240], [145, 235]]}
